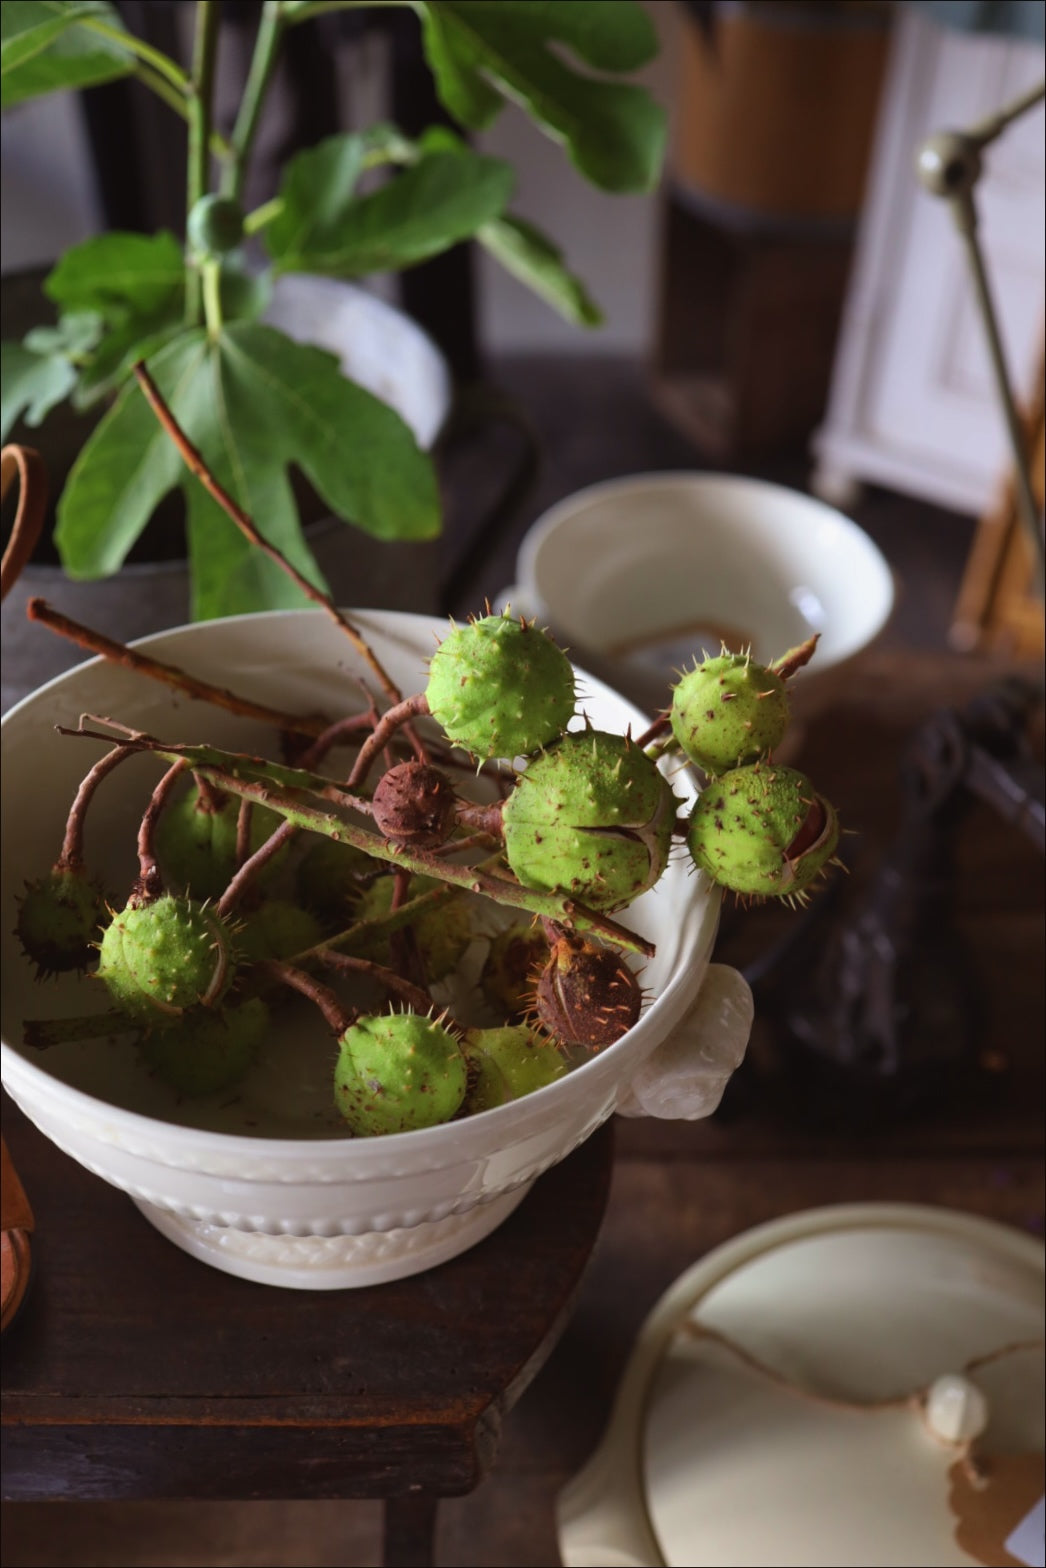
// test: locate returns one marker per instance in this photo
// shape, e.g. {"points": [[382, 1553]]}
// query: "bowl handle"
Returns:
{"points": [[684, 1078]]}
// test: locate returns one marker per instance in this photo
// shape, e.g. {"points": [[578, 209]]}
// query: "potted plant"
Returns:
{"points": [[252, 399]]}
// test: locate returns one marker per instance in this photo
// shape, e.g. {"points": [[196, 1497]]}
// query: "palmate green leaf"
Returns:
{"points": [[43, 48], [437, 201], [532, 258], [254, 403], [136, 284], [32, 385], [117, 271], [614, 131]]}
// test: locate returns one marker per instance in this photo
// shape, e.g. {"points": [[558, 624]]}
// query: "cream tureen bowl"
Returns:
{"points": [[243, 1182]]}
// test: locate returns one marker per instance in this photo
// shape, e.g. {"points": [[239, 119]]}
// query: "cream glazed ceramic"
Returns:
{"points": [[802, 1395], [246, 1186], [649, 569]]}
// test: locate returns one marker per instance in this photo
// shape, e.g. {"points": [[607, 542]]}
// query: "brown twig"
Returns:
{"points": [[393, 719], [117, 653], [72, 855], [415, 996], [196, 465], [150, 883], [28, 466], [338, 1017]]}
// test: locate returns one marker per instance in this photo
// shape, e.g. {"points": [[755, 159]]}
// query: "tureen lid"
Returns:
{"points": [[861, 1384]]}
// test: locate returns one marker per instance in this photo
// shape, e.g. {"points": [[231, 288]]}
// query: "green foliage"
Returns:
{"points": [[440, 199], [482, 51], [250, 399], [45, 45], [253, 402]]}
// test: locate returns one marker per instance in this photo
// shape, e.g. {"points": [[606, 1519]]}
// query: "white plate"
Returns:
{"points": [[714, 1459]]}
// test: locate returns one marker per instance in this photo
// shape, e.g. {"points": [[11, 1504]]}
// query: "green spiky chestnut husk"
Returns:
{"points": [[442, 933], [500, 687], [163, 958], [763, 831], [60, 918], [591, 817], [728, 711], [277, 928], [209, 1049], [586, 994], [398, 1072], [331, 879], [196, 842], [524, 1059]]}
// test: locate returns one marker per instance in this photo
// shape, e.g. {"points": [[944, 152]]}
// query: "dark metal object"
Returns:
{"points": [[881, 1012]]}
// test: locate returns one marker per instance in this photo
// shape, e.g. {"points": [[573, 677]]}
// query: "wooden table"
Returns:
{"points": [[135, 1372]]}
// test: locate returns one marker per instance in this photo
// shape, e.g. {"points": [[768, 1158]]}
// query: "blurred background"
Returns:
{"points": [[789, 302]]}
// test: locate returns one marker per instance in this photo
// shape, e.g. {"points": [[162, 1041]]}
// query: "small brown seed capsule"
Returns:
{"points": [[586, 994], [414, 805]]}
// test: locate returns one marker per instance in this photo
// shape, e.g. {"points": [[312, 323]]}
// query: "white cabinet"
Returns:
{"points": [[913, 404]]}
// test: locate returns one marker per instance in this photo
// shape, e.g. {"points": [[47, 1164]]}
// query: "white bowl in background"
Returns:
{"points": [[243, 1184], [649, 570]]}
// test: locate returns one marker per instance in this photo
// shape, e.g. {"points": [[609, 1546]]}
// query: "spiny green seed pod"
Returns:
{"points": [[214, 226], [525, 1059], [332, 878], [763, 831], [586, 994], [414, 804], [398, 1072], [442, 933], [163, 958], [60, 918], [517, 954], [500, 687], [729, 711], [209, 1049], [276, 928], [196, 841], [591, 817]]}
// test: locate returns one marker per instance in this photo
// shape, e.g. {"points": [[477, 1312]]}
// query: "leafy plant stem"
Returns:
{"points": [[180, 104], [211, 274], [263, 62], [161, 63], [205, 46], [262, 215]]}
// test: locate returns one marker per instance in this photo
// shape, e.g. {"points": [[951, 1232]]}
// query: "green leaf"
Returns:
{"points": [[32, 384], [76, 334], [532, 257], [254, 403], [44, 48], [316, 190], [115, 272], [456, 70], [614, 131], [428, 207]]}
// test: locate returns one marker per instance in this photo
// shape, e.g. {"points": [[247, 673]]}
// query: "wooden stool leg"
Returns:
{"points": [[410, 1531]]}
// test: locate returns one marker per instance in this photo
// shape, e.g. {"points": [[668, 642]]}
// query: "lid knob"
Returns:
{"points": [[956, 1409]]}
